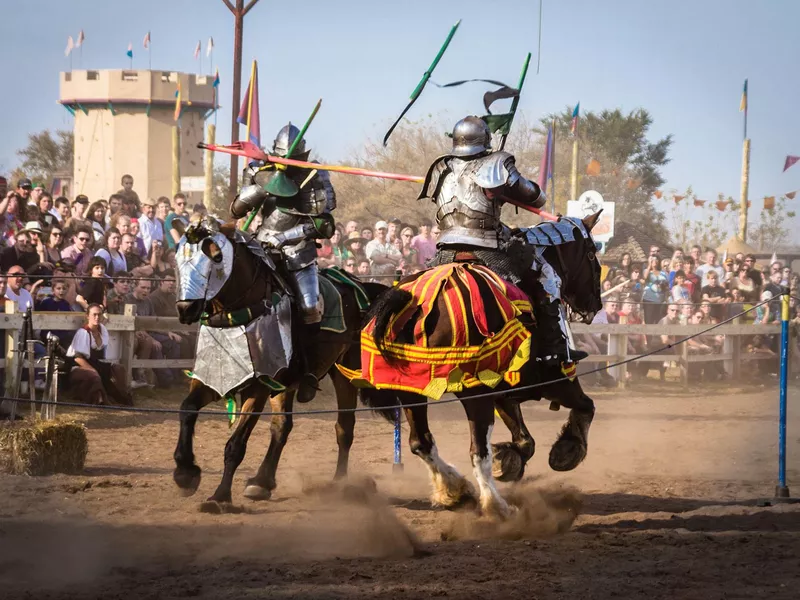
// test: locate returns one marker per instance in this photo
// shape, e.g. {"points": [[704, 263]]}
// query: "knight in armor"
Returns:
{"points": [[295, 213], [469, 186]]}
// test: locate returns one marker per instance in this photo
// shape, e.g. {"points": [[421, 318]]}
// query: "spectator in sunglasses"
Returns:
{"points": [[80, 252]]}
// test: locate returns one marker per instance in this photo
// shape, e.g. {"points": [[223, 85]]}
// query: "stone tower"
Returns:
{"points": [[123, 125]]}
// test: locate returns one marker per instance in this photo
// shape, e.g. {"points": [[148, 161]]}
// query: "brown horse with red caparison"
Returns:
{"points": [[576, 264], [250, 281]]}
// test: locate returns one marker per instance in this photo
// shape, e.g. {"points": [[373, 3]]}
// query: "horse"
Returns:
{"points": [[228, 280], [573, 257]]}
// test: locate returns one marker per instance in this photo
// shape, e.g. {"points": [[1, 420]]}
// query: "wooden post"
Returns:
{"points": [[128, 343], [574, 186], [684, 362], [731, 345], [209, 191], [176, 160], [744, 192], [618, 350], [12, 372], [29, 346]]}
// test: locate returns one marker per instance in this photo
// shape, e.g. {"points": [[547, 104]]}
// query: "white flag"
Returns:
{"points": [[774, 258], [146, 41], [81, 37], [210, 47], [70, 46], [197, 50]]}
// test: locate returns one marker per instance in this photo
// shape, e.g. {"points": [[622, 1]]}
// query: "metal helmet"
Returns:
{"points": [[285, 138], [471, 136]]}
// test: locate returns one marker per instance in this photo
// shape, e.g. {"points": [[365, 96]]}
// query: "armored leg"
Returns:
{"points": [[309, 304]]}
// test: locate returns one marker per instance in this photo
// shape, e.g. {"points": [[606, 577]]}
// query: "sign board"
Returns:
{"points": [[193, 184], [589, 203]]}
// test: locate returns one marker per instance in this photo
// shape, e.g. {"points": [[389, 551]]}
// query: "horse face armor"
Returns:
{"points": [[203, 267]]}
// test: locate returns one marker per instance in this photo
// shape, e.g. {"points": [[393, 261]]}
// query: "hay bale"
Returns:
{"points": [[42, 447]]}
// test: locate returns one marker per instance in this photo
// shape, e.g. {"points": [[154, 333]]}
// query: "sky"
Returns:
{"points": [[684, 61]]}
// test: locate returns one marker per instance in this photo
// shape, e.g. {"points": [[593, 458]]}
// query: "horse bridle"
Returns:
{"points": [[591, 254]]}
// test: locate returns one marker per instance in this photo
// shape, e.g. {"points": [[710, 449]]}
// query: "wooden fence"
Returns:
{"points": [[122, 330]]}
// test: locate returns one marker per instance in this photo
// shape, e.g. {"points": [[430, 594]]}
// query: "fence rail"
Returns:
{"points": [[122, 340]]}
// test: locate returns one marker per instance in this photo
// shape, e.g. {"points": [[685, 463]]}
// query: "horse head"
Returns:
{"points": [[205, 262], [579, 269]]}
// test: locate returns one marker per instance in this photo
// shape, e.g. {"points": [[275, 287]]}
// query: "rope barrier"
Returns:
{"points": [[492, 394]]}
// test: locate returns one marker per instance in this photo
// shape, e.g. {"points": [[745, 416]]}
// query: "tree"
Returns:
{"points": [[771, 230], [220, 199], [629, 163], [695, 221], [45, 155]]}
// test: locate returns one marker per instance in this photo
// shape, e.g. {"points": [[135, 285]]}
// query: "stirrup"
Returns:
{"points": [[554, 360]]}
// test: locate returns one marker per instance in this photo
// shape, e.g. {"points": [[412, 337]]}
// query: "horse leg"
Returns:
{"points": [[235, 449], [572, 444], [510, 458], [346, 398], [260, 487], [480, 414], [450, 488], [187, 474]]}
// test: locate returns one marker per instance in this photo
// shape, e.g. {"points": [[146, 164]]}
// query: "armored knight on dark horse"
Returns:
{"points": [[469, 186], [291, 224]]}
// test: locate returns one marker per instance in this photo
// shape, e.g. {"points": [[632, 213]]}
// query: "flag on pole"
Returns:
{"points": [[790, 160], [129, 53], [177, 114], [575, 117], [210, 47], [248, 114], [743, 107], [774, 258], [71, 45], [197, 50], [216, 79], [81, 37], [546, 167], [146, 41]]}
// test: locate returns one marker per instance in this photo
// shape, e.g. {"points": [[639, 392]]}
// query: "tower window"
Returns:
{"points": [[92, 75], [130, 76]]}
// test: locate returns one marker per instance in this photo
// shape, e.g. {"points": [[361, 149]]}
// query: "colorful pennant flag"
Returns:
{"points": [[593, 168], [677, 199], [658, 194], [791, 195], [248, 113], [81, 37], [210, 46], [698, 202], [197, 50], [546, 167], [743, 107], [769, 202], [575, 113], [721, 204], [216, 79], [71, 45], [178, 106], [146, 41], [790, 160], [129, 53]]}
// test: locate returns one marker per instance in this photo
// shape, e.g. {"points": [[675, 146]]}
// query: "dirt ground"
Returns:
{"points": [[663, 507]]}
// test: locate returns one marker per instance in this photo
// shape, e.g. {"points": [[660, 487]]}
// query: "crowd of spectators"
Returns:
{"points": [[693, 288], [62, 255]]}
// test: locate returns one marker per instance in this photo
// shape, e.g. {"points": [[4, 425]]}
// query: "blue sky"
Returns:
{"points": [[683, 60]]}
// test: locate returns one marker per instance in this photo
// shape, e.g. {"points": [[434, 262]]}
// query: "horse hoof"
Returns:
{"points": [[187, 479], [256, 492], [507, 463], [215, 507], [566, 454]]}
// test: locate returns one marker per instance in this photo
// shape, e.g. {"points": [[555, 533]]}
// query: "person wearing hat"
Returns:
{"points": [[150, 228], [34, 229], [36, 194], [24, 189], [383, 257], [354, 245], [22, 253]]}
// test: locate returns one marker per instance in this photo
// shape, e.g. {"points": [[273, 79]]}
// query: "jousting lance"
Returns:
{"points": [[250, 150]]}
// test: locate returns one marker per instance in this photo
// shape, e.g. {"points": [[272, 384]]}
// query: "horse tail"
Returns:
{"points": [[384, 402], [385, 306]]}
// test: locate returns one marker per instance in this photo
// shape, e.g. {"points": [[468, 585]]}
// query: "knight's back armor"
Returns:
{"points": [[466, 215]]}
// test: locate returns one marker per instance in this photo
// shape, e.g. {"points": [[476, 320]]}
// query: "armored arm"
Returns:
{"points": [[252, 193], [521, 189]]}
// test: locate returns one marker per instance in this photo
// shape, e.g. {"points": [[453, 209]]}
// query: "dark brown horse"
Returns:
{"points": [[252, 280], [576, 264]]}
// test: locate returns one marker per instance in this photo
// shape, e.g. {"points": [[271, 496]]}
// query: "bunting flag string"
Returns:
{"points": [[677, 199], [790, 160], [769, 202], [698, 202], [721, 204], [658, 194], [791, 195]]}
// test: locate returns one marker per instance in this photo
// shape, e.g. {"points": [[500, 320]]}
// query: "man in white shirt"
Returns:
{"points": [[711, 265], [15, 291], [150, 228], [384, 258]]}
